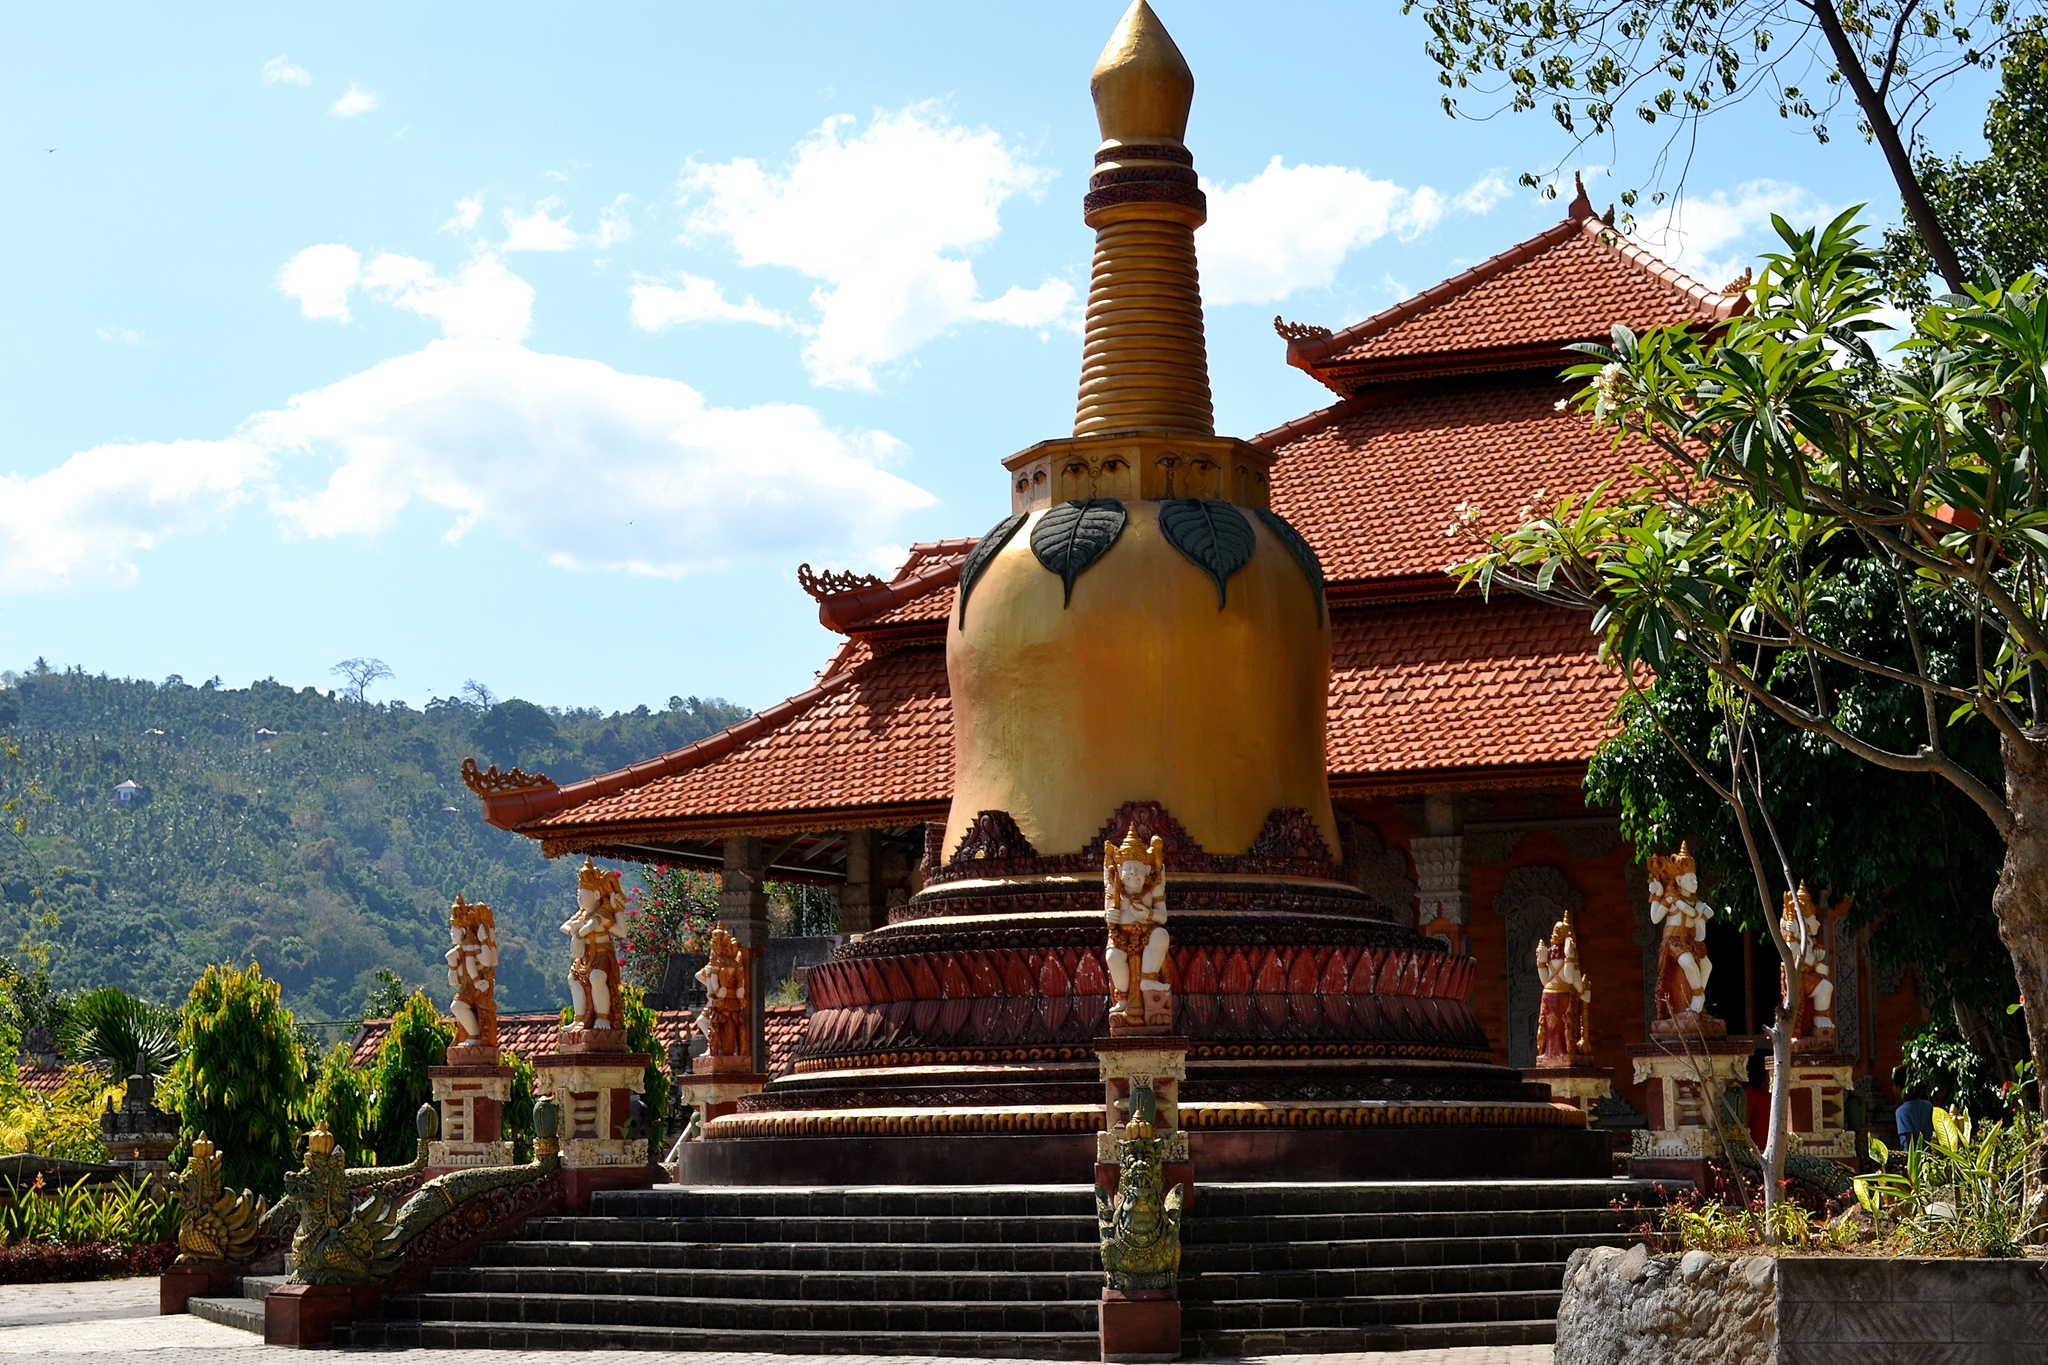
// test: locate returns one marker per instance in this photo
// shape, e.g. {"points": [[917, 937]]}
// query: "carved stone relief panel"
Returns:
{"points": [[1646, 937], [1442, 881], [1530, 901], [1383, 873], [1845, 965]]}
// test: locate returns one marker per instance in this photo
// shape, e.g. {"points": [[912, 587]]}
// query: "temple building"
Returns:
{"points": [[1445, 831]]}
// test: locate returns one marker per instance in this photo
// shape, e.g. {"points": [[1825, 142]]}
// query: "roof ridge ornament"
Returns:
{"points": [[1299, 331], [833, 582], [491, 782]]}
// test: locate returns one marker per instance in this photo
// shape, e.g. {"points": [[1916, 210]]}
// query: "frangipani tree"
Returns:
{"points": [[1781, 450]]}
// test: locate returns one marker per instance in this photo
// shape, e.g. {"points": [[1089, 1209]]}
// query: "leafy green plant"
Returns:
{"points": [[1961, 1193], [63, 1124], [1937, 1058], [674, 912], [242, 1077], [124, 1033], [641, 1036], [341, 1100], [127, 1214], [398, 1077], [516, 1122]]}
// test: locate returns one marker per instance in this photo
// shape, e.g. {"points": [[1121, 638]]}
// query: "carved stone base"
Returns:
{"points": [[1582, 1084], [1140, 1324], [1689, 1025], [1818, 1084], [305, 1314], [1681, 1076], [591, 1040], [718, 1093], [711, 1065], [179, 1284], [443, 1157]]}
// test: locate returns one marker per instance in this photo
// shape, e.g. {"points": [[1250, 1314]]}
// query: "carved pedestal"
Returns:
{"points": [[1130, 1060], [1682, 1140], [1582, 1083], [595, 1086], [1140, 1324], [471, 1091], [139, 1135], [1816, 1086]]}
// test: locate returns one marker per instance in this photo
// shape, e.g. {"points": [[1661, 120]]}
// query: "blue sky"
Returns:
{"points": [[539, 346]]}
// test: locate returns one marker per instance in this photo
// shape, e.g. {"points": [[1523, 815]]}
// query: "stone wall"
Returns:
{"points": [[1633, 1308]]}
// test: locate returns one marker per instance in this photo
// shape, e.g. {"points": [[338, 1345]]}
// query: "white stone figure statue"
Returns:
{"points": [[1134, 903], [1813, 1014], [594, 970], [1682, 962], [473, 972]]}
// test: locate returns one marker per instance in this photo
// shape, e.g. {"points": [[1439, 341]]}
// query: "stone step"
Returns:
{"points": [[806, 1285], [1203, 1230], [930, 1257], [1377, 1252], [1335, 1340], [881, 1201], [782, 1317], [556, 1338], [246, 1314], [1542, 1276], [776, 1228], [1446, 1196], [1368, 1310], [258, 1287]]}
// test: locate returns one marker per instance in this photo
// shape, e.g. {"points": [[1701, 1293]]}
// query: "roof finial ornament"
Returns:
{"points": [[1141, 84], [1582, 207]]}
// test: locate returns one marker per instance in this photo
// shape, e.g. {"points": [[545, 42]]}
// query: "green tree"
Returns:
{"points": [[387, 997], [1995, 207], [1784, 446], [1597, 63], [241, 1078], [398, 1077], [341, 1100], [516, 1122], [641, 1036], [121, 1032]]}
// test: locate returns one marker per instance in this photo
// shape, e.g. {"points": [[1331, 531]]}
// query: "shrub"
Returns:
{"points": [[1940, 1063], [674, 912], [341, 1100], [398, 1077], [641, 1022], [49, 1263], [1961, 1193], [63, 1124], [241, 1079], [517, 1120]]}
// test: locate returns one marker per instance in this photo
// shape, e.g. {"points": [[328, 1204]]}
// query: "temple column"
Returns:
{"points": [[1443, 877], [743, 913], [863, 903]]}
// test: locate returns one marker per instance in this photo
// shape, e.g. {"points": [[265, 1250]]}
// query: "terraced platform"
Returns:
{"points": [[1013, 1271]]}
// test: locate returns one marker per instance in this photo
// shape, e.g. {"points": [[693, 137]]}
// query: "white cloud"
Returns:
{"points": [[1711, 237], [557, 453], [539, 230], [1290, 227], [125, 336], [320, 278], [356, 101], [283, 68], [613, 225], [1482, 194], [1049, 305], [467, 213], [884, 219], [657, 307], [487, 303], [83, 522]]}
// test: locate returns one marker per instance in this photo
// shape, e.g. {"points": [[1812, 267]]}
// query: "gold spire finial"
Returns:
{"points": [[1142, 85]]}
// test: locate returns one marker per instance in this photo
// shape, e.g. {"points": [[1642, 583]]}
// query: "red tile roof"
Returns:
{"points": [[39, 1079], [874, 745], [533, 1035], [917, 594], [1374, 481], [1431, 689], [1573, 282]]}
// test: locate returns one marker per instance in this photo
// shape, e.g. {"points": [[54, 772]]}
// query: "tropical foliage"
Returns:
{"points": [[341, 1100], [65, 1123], [123, 1213], [241, 1079], [1960, 1193], [399, 1084], [122, 1033], [321, 838], [674, 912]]}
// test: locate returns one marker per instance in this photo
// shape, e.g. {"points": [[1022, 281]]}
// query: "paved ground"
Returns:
{"points": [[115, 1322]]}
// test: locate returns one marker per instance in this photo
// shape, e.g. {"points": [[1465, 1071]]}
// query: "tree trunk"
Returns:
{"points": [[1781, 1123], [2021, 902]]}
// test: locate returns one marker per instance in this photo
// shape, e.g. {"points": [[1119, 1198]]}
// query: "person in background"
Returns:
{"points": [[1915, 1116], [1759, 1095]]}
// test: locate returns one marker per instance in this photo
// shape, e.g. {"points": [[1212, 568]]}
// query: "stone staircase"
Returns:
{"points": [[1012, 1271]]}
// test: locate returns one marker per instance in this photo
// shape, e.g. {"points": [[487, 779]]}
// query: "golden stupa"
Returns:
{"points": [[1114, 657]]}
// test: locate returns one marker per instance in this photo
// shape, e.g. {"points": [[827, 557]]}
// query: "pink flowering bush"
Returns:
{"points": [[674, 912]]}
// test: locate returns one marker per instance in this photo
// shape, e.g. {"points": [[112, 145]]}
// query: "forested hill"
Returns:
{"points": [[325, 852]]}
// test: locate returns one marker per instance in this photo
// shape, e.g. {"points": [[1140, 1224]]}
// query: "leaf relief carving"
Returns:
{"points": [[1213, 536], [985, 551], [1303, 552], [1073, 535]]}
